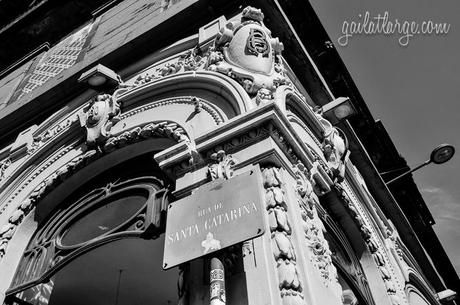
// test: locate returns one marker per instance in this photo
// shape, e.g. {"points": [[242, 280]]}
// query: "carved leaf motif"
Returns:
{"points": [[273, 224], [16, 216], [292, 299], [394, 299], [390, 285], [271, 177], [284, 246], [372, 245], [26, 204], [7, 230], [270, 199], [378, 258], [287, 274], [366, 231], [275, 248], [281, 218], [279, 197], [385, 274], [317, 246]]}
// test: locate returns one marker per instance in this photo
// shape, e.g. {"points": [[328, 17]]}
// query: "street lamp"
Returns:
{"points": [[100, 78], [439, 155], [338, 110]]}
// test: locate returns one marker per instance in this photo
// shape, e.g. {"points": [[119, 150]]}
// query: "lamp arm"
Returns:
{"points": [[408, 172]]}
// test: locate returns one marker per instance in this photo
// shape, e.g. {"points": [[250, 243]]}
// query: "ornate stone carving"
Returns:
{"points": [[334, 148], [3, 166], [158, 129], [222, 168], [50, 133], [162, 129], [280, 229], [373, 246], [245, 51], [98, 117], [313, 227], [200, 105], [190, 60], [7, 230]]}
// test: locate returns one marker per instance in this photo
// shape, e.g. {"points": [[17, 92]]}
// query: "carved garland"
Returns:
{"points": [[377, 253], [35, 174], [163, 129], [313, 227], [283, 250], [187, 61], [51, 133], [199, 104]]}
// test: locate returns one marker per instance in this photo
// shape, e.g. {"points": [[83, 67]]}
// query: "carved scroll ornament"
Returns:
{"points": [[222, 166], [98, 117]]}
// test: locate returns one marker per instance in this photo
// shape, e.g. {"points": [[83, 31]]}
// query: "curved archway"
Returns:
{"points": [[222, 91], [126, 206], [417, 290], [130, 276]]}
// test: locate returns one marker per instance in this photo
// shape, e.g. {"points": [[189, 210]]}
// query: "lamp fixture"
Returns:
{"points": [[441, 154], [338, 110], [100, 78], [446, 295]]}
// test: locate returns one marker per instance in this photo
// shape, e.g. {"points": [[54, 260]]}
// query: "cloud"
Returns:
{"points": [[445, 209]]}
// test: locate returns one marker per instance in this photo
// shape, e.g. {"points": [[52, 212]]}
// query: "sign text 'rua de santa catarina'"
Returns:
{"points": [[217, 215]]}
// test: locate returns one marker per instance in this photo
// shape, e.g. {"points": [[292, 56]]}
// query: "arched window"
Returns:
{"points": [[350, 275], [103, 246]]}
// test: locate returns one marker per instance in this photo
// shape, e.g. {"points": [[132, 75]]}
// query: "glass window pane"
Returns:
{"points": [[108, 215]]}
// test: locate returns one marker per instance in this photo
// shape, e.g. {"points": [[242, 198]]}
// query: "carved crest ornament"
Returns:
{"points": [[243, 50], [98, 117]]}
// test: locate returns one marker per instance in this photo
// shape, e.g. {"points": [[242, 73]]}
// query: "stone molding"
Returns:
{"points": [[199, 103], [394, 287], [161, 129], [321, 255]]}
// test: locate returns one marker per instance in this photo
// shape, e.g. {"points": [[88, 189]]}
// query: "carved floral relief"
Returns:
{"points": [[280, 228]]}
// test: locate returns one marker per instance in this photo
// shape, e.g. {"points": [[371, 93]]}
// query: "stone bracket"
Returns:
{"points": [[22, 144]]}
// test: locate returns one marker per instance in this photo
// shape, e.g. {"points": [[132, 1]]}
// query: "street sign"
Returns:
{"points": [[217, 215]]}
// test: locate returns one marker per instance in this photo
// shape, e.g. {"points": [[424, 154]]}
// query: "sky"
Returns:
{"points": [[413, 87]]}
